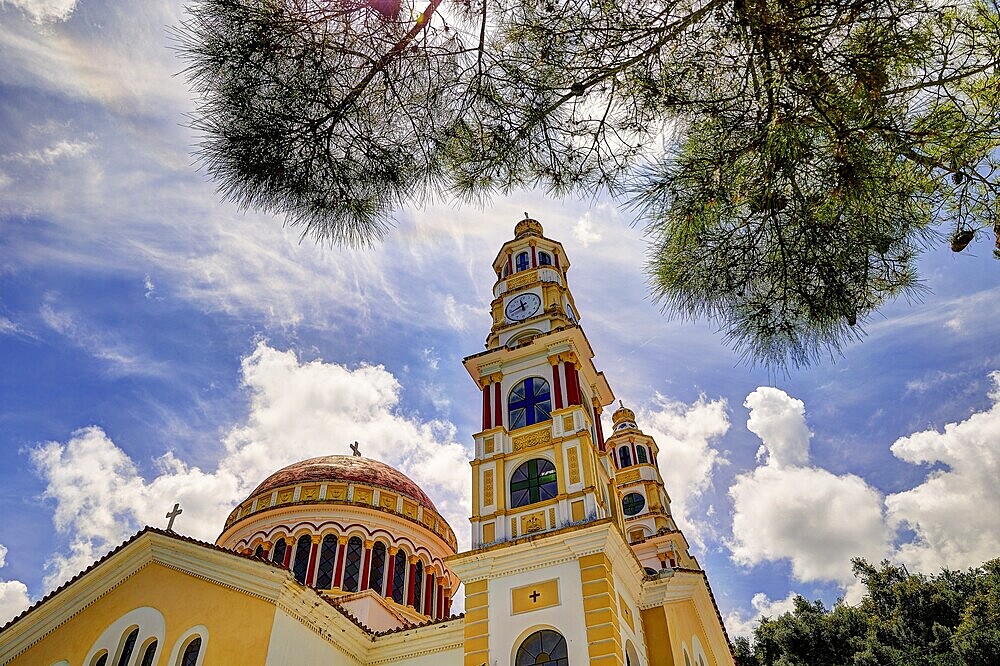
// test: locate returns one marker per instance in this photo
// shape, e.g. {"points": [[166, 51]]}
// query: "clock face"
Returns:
{"points": [[521, 307]]}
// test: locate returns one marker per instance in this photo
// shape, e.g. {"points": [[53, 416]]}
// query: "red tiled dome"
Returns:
{"points": [[347, 469]]}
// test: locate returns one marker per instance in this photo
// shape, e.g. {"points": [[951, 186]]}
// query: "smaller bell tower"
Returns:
{"points": [[649, 525]]}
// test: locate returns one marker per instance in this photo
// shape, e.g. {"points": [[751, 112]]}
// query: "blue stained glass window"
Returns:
{"points": [[530, 401], [399, 577], [533, 481], [377, 572], [633, 503], [640, 454], [191, 653], [544, 259], [259, 551], [624, 457], [418, 585], [542, 647], [521, 262], [327, 561], [128, 647], [301, 564], [149, 655], [352, 569], [278, 555]]}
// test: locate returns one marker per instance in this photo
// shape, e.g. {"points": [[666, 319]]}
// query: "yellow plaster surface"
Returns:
{"points": [[534, 597], [184, 601]]}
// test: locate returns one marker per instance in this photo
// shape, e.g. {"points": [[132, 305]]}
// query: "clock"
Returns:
{"points": [[521, 307]]}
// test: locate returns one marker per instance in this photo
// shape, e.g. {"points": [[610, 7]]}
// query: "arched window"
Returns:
{"points": [[633, 503], [300, 565], [101, 660], [399, 577], [544, 259], [504, 272], [278, 554], [418, 585], [352, 567], [625, 457], [529, 402], [190, 657], [533, 481], [259, 551], [542, 647], [149, 655], [327, 560], [650, 571], [128, 647], [377, 572], [521, 262], [640, 454]]}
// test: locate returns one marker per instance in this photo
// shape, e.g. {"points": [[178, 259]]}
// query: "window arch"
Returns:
{"points": [[398, 581], [259, 551], [301, 564], [521, 262], [533, 481], [530, 401], [418, 585], [640, 455], [101, 659], [278, 554], [633, 503], [128, 647], [377, 571], [624, 457], [542, 647], [352, 567], [191, 652], [327, 560], [544, 259], [149, 654]]}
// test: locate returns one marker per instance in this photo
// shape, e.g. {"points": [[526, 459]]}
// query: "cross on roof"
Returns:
{"points": [[173, 513], [355, 450]]}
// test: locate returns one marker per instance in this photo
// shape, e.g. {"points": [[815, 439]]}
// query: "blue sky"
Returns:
{"points": [[158, 345]]}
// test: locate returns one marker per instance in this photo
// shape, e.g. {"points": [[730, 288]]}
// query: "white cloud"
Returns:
{"points": [[586, 231], [297, 410], [954, 512], [684, 434], [786, 509], [44, 10], [62, 149], [13, 593], [740, 624]]}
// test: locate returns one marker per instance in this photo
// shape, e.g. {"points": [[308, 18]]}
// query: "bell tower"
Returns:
{"points": [[540, 461]]}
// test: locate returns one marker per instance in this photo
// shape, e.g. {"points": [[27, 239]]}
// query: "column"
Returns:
{"points": [[338, 576], [440, 598], [556, 382], [267, 550], [410, 579], [510, 265], [366, 566], [447, 602], [572, 384], [600, 428], [390, 554], [428, 593], [289, 542], [497, 413], [534, 256], [313, 560], [486, 408]]}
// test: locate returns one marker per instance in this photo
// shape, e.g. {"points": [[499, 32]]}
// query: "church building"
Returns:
{"points": [[575, 555]]}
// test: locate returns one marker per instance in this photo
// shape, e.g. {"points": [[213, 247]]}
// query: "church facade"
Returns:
{"points": [[575, 555]]}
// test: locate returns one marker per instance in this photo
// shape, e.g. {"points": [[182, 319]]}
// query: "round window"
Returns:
{"points": [[633, 503]]}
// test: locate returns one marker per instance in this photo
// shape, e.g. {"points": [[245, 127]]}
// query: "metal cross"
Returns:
{"points": [[534, 596], [354, 449], [173, 513]]}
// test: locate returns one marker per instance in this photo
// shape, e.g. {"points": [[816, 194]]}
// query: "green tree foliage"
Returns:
{"points": [[948, 619], [789, 158]]}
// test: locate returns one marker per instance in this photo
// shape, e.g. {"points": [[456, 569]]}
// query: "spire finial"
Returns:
{"points": [[621, 404], [355, 450], [526, 216]]}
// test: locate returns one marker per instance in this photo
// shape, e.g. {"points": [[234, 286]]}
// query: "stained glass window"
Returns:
{"points": [[377, 572], [521, 262], [301, 564], [640, 454], [418, 585], [399, 577], [633, 503], [259, 551], [191, 653], [149, 655], [327, 560], [128, 647], [352, 568], [529, 402], [533, 481], [542, 647], [102, 660], [278, 555], [624, 457], [544, 259]]}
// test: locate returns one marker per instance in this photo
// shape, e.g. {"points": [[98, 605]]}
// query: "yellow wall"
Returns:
{"points": [[185, 601]]}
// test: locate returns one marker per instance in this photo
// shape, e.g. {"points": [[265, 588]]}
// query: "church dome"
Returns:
{"points": [[347, 469]]}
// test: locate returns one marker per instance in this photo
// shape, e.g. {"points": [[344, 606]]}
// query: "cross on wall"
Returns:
{"points": [[534, 596]]}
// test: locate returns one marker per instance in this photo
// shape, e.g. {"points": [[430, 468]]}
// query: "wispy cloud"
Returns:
{"points": [[44, 10]]}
